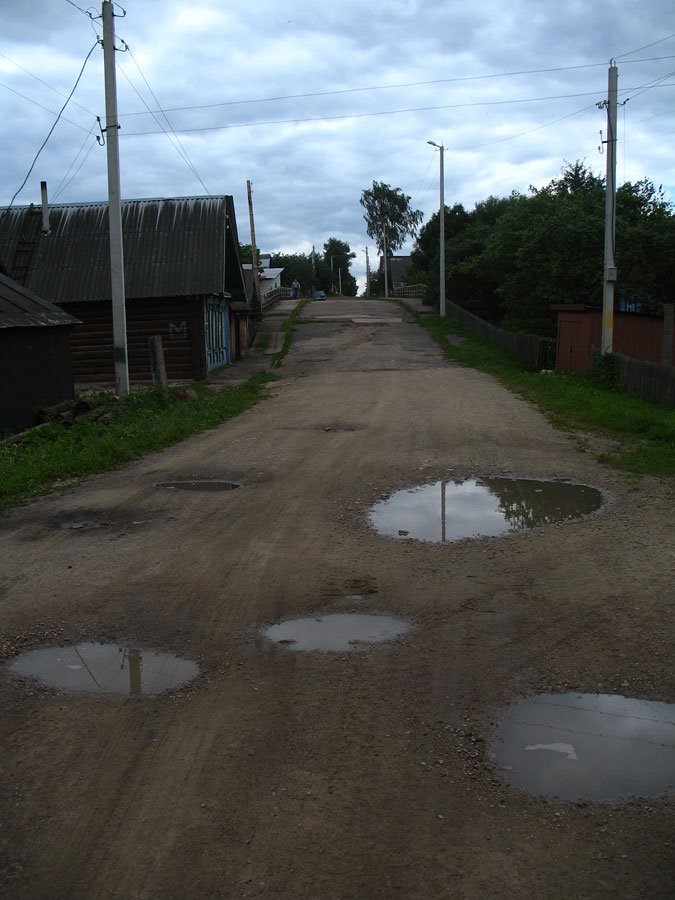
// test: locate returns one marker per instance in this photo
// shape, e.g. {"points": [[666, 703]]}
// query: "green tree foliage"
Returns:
{"points": [[388, 211], [338, 256], [510, 259]]}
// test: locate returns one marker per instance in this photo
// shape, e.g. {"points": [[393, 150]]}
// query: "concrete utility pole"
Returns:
{"points": [[257, 305], [441, 283], [610, 213], [367, 274], [313, 271], [119, 314], [384, 248]]}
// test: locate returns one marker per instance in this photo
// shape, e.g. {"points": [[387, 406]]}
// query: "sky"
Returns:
{"points": [[313, 102]]}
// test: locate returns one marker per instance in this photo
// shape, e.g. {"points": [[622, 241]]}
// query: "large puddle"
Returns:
{"points": [[587, 747], [480, 507], [105, 669], [336, 631]]}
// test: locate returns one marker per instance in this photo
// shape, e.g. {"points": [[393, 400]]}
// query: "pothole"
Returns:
{"points": [[201, 484], [82, 524], [105, 669], [597, 747], [336, 631], [449, 510]]}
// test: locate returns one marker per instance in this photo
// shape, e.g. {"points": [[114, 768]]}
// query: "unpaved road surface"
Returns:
{"points": [[329, 775]]}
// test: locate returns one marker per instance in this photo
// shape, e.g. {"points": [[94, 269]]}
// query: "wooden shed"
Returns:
{"points": [[35, 366], [183, 281], [636, 335]]}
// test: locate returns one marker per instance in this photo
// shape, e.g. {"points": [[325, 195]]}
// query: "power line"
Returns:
{"points": [[390, 112], [180, 149], [63, 185], [35, 103], [385, 87], [653, 44], [37, 78], [51, 130]]}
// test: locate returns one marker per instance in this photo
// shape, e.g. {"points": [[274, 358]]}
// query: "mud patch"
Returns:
{"points": [[336, 632], [597, 747], [203, 484], [480, 507], [105, 669]]}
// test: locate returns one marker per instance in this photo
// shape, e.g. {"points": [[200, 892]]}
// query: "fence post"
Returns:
{"points": [[157, 363]]}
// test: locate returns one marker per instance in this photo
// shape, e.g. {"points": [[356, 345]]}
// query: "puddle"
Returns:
{"points": [[587, 747], [105, 669], [336, 631], [480, 507], [82, 525], [204, 484]]}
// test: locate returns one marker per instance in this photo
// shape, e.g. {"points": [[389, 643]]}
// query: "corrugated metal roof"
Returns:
{"points": [[21, 308], [172, 248]]}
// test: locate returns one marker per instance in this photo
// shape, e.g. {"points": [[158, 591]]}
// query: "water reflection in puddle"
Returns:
{"points": [[587, 747], [198, 485], [336, 631], [105, 669], [480, 507]]}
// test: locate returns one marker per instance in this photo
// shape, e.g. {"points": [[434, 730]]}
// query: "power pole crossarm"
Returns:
{"points": [[119, 315]]}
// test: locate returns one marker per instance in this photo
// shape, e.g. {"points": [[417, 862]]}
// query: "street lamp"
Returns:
{"points": [[441, 306]]}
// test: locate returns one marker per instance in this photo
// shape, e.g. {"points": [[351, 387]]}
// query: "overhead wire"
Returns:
{"points": [[383, 87], [51, 130], [40, 106], [46, 84], [66, 181], [178, 146], [389, 112]]}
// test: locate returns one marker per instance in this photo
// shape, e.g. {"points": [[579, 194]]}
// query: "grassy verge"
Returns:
{"points": [[147, 420], [289, 328], [644, 433]]}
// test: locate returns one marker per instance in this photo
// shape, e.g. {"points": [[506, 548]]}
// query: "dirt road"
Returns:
{"points": [[329, 775]]}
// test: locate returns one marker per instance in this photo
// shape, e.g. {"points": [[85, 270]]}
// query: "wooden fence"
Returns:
{"points": [[539, 352], [647, 380]]}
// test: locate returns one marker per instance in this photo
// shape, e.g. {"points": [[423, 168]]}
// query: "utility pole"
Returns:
{"points": [[441, 282], [610, 212], [313, 271], [340, 281], [119, 315], [384, 247], [367, 274], [257, 305]]}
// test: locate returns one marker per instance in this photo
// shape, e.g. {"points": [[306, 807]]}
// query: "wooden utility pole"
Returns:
{"points": [[367, 274], [610, 212], [257, 305], [119, 314]]}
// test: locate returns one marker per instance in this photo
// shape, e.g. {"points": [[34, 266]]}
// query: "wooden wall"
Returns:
{"points": [[179, 321]]}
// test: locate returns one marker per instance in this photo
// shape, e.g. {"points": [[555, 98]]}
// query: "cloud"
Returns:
{"points": [[397, 72]]}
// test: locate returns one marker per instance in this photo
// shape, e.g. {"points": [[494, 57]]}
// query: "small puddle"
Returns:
{"points": [[82, 524], [597, 747], [336, 631], [480, 507], [105, 669], [205, 484]]}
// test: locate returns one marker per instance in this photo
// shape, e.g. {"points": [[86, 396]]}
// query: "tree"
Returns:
{"points": [[389, 216], [337, 256]]}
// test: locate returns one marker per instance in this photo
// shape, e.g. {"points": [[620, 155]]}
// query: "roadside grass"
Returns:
{"points": [[147, 420], [643, 433], [289, 328]]}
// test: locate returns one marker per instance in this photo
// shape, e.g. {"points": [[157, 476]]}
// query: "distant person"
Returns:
{"points": [[295, 289]]}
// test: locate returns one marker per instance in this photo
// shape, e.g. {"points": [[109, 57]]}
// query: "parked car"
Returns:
{"points": [[319, 295]]}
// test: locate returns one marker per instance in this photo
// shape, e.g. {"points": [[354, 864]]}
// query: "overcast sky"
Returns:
{"points": [[314, 102]]}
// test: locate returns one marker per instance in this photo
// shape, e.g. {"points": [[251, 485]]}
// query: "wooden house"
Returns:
{"points": [[183, 281], [35, 366]]}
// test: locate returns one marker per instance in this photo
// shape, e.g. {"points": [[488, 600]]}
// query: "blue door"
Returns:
{"points": [[217, 330]]}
